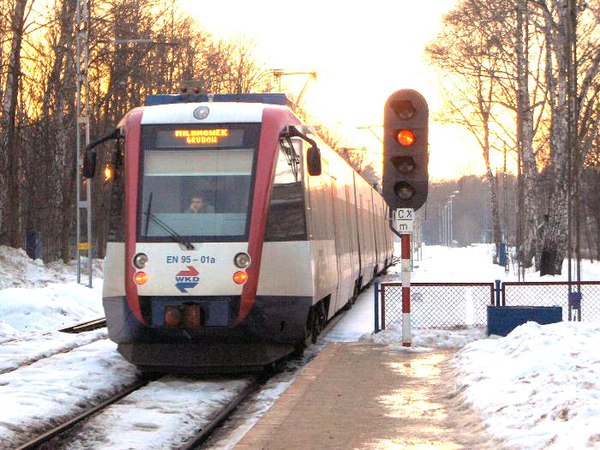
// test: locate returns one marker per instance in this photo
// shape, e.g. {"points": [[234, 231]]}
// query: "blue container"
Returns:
{"points": [[502, 254], [33, 244], [501, 320]]}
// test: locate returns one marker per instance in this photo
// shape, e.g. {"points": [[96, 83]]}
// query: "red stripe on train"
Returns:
{"points": [[273, 122], [132, 163]]}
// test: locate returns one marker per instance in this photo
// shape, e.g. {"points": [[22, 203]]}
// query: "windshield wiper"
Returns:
{"points": [[170, 231], [147, 213], [292, 158]]}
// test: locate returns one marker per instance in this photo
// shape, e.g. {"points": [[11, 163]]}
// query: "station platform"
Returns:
{"points": [[368, 396]]}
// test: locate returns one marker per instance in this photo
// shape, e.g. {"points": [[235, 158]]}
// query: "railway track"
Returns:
{"points": [[75, 430], [31, 348], [69, 424], [207, 414], [205, 432]]}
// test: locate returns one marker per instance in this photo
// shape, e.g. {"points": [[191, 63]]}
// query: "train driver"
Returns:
{"points": [[199, 205]]}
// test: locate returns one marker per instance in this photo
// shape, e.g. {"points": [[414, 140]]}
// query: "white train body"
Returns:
{"points": [[189, 302]]}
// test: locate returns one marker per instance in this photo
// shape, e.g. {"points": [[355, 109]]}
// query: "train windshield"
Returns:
{"points": [[197, 182]]}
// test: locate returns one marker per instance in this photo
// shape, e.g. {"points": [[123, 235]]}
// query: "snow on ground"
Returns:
{"points": [[539, 387]]}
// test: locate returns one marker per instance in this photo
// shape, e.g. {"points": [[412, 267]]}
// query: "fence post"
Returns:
{"points": [[376, 303], [497, 291]]}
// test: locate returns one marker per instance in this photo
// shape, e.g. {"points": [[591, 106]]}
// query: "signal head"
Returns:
{"points": [[405, 150]]}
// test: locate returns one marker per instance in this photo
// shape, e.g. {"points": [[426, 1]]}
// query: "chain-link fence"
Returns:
{"points": [[460, 305], [438, 305], [584, 296]]}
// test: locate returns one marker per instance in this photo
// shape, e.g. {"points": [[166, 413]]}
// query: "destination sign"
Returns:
{"points": [[199, 137]]}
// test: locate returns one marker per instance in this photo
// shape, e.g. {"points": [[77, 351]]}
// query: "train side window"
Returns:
{"points": [[286, 219]]}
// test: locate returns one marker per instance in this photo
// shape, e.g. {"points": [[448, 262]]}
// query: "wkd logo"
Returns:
{"points": [[187, 279]]}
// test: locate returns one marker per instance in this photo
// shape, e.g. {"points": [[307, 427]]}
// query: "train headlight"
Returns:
{"points": [[240, 277], [140, 260], [242, 260]]}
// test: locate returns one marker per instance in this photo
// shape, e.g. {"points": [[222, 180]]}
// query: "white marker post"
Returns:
{"points": [[404, 223]]}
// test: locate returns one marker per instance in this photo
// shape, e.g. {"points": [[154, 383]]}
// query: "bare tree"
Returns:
{"points": [[471, 50], [528, 208], [554, 20], [356, 157], [154, 48], [524, 69], [245, 74], [136, 48], [11, 147], [51, 174]]}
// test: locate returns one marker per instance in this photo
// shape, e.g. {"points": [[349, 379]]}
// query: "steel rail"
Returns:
{"points": [[86, 326], [52, 433], [202, 435]]}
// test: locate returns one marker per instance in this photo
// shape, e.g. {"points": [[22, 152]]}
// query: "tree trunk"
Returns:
{"points": [[54, 201], [529, 212], [496, 231], [13, 151], [555, 233], [495, 211]]}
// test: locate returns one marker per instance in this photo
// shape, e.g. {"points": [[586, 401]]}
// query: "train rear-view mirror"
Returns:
{"points": [[313, 161], [89, 163]]}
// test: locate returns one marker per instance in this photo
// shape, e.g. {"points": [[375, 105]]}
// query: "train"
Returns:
{"points": [[292, 235]]}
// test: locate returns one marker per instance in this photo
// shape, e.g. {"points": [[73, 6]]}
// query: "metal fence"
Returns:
{"points": [[461, 305], [582, 296]]}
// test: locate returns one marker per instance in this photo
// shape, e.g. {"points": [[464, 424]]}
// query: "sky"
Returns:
{"points": [[536, 388], [362, 53]]}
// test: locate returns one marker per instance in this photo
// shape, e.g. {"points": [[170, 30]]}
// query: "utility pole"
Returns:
{"points": [[278, 73], [574, 159], [84, 197], [370, 128]]}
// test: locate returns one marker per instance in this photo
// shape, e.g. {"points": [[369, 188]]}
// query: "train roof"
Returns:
{"points": [[243, 108], [269, 98]]}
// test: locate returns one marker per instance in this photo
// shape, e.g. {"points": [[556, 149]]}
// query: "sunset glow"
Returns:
{"points": [[361, 53]]}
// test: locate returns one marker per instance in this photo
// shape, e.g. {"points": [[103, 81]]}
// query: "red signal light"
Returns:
{"points": [[406, 138]]}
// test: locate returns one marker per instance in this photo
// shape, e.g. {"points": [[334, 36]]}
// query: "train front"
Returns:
{"points": [[180, 287]]}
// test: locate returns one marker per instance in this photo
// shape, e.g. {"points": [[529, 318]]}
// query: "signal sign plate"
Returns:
{"points": [[404, 220]]}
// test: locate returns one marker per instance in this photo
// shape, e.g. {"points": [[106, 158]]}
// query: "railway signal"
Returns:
{"points": [[405, 150]]}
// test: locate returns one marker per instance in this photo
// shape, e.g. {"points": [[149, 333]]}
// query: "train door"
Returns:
{"points": [[329, 247], [352, 237], [342, 247], [286, 229], [321, 234], [358, 234], [367, 239], [375, 229]]}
